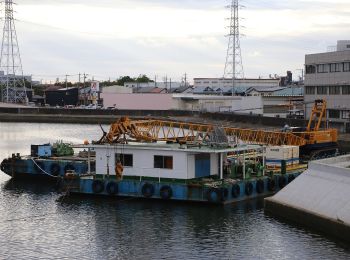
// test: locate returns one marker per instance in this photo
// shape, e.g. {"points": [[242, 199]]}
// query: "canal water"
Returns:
{"points": [[36, 222]]}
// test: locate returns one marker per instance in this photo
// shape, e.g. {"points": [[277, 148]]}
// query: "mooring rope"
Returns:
{"points": [[43, 170]]}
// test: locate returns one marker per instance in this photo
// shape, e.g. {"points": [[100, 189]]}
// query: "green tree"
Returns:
{"points": [[143, 79], [124, 79]]}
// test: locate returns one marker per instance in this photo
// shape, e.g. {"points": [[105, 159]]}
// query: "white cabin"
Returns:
{"points": [[161, 160]]}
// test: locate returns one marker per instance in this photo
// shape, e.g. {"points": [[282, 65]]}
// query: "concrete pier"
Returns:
{"points": [[319, 198]]}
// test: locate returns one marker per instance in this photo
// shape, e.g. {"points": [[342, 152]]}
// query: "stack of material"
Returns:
{"points": [[319, 198], [276, 154]]}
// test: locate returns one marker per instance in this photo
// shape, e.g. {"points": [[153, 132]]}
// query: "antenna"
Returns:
{"points": [[233, 65], [14, 90]]}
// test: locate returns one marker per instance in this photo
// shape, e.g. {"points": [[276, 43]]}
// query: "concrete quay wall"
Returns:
{"points": [[8, 114], [318, 198]]}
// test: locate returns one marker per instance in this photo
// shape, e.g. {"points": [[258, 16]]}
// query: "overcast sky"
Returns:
{"points": [[111, 38]]}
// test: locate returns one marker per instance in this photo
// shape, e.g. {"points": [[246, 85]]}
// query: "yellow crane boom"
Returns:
{"points": [[312, 140], [173, 131]]}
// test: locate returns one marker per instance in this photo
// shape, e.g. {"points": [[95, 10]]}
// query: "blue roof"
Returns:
{"points": [[201, 90], [291, 91]]}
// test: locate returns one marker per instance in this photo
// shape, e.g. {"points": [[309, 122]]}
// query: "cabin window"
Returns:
{"points": [[125, 159], [163, 162]]}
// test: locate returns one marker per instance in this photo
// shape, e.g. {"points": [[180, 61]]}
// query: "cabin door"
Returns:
{"points": [[202, 162]]}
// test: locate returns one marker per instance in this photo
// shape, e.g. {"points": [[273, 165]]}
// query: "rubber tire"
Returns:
{"points": [[166, 192], [55, 169], [260, 186], [236, 191], [98, 186], [112, 188], [271, 184], [249, 188], [282, 182], [147, 190], [2, 165], [224, 194], [217, 195]]}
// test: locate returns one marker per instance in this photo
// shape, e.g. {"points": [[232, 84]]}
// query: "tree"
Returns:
{"points": [[143, 79], [124, 79]]}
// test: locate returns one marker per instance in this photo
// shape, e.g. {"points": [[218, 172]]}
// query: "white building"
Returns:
{"points": [[166, 85], [215, 83], [215, 103], [328, 76], [116, 90]]}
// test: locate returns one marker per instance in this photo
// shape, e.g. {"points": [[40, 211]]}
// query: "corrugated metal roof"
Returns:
{"points": [[292, 91]]}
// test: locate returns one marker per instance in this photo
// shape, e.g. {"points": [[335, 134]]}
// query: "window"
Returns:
{"points": [[310, 69], [334, 90], [345, 114], [332, 113], [310, 90], [163, 162], [348, 46], [346, 90], [335, 67], [346, 66], [322, 90], [322, 68], [125, 159]]}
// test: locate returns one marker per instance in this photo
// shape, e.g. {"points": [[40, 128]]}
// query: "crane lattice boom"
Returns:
{"points": [[173, 131]]}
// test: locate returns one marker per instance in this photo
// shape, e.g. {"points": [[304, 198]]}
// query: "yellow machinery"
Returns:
{"points": [[312, 140]]}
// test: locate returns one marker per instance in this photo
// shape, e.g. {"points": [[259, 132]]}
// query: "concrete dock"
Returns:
{"points": [[319, 198]]}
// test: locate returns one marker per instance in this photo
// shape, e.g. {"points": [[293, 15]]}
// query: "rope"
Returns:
{"points": [[43, 170]]}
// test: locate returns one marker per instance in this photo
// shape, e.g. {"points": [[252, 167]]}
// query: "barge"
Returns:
{"points": [[180, 172], [48, 161]]}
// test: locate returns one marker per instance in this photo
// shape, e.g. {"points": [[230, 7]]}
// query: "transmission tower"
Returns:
{"points": [[233, 65], [12, 80]]}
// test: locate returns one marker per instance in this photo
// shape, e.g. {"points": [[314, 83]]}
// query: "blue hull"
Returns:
{"points": [[222, 193], [18, 167]]}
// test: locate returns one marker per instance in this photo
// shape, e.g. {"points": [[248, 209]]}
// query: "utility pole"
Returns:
{"points": [[85, 75], [79, 81], [10, 60], [170, 84], [66, 81], [233, 65]]}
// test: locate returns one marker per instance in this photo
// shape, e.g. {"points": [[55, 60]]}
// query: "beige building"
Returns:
{"points": [[328, 76]]}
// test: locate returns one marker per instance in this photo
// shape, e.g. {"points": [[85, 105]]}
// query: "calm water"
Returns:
{"points": [[38, 223]]}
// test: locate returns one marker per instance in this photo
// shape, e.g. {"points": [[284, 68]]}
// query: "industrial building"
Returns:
{"points": [[62, 97], [328, 76]]}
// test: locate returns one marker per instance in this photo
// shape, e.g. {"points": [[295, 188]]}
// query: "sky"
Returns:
{"points": [[112, 38]]}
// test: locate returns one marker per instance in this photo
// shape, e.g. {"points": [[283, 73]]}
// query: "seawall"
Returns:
{"points": [[319, 198]]}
